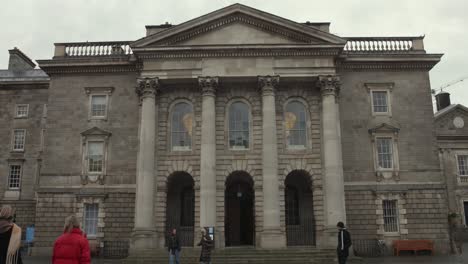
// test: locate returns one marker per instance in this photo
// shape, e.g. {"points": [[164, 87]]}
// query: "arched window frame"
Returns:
{"points": [[307, 125], [172, 147], [228, 127]]}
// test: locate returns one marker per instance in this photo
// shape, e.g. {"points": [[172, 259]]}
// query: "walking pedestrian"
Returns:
{"points": [[71, 247], [207, 244], [173, 246], [344, 242], [10, 237]]}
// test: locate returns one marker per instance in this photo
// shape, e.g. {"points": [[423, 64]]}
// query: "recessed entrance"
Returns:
{"points": [[239, 219], [180, 207], [299, 209]]}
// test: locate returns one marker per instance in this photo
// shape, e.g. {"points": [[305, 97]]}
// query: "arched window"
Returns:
{"points": [[296, 125], [239, 125], [181, 126]]}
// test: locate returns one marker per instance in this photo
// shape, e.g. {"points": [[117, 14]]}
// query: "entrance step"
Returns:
{"points": [[244, 256]]}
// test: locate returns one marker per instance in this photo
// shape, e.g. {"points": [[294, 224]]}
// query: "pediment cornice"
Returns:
{"points": [[238, 13]]}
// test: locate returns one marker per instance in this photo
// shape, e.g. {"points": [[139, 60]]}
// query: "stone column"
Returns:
{"points": [[208, 86], [144, 233], [271, 237], [334, 199]]}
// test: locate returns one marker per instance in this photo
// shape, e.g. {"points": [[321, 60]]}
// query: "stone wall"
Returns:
{"points": [[411, 112], [422, 213], [35, 96], [68, 110]]}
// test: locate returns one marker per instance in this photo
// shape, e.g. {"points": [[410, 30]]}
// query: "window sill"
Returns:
{"points": [[238, 149], [21, 117], [97, 119], [181, 149], [12, 194], [391, 234], [17, 151]]}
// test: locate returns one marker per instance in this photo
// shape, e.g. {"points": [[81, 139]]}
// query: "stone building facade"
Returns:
{"points": [[268, 130], [452, 140]]}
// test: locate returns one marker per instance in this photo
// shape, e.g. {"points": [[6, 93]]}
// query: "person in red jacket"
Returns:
{"points": [[71, 247]]}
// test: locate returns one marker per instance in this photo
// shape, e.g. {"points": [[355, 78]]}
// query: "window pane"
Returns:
{"points": [[463, 165], [384, 152], [296, 124], [390, 215], [19, 136], [21, 110], [91, 219], [182, 125], [98, 105], [239, 125], [379, 101], [14, 177], [95, 156]]}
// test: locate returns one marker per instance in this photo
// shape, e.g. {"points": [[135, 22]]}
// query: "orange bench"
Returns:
{"points": [[412, 245]]}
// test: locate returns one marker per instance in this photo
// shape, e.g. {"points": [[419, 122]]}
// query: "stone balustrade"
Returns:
{"points": [[82, 49], [383, 44]]}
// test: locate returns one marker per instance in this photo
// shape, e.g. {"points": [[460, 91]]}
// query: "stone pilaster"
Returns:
{"points": [[271, 237], [334, 200], [144, 234], [208, 87]]}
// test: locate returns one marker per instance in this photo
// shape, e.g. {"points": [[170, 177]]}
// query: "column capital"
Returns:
{"points": [[147, 87], [329, 84], [208, 85], [267, 84]]}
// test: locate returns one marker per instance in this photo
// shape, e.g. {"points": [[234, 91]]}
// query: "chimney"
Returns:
{"points": [[442, 100], [19, 61]]}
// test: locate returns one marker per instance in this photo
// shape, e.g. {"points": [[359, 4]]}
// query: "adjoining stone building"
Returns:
{"points": [[269, 130], [452, 140]]}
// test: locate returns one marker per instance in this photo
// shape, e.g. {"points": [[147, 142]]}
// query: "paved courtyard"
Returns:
{"points": [[389, 260]]}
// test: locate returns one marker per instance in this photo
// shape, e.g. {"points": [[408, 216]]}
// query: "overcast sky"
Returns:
{"points": [[34, 25]]}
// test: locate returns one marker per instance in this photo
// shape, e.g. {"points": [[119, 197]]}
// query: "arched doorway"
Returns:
{"points": [[299, 209], [239, 218], [180, 207]]}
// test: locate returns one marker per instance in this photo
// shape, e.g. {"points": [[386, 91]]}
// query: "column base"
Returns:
{"points": [[143, 240], [330, 237], [272, 238]]}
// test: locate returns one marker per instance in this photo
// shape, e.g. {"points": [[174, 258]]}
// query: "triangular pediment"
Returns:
{"points": [[384, 128], [96, 131], [235, 25]]}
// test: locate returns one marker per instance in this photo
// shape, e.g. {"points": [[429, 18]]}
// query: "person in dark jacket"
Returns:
{"points": [[10, 237], [344, 242], [71, 247], [207, 244], [173, 246]]}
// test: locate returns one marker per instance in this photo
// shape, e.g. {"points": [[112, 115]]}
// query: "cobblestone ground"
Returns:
{"points": [[463, 259]]}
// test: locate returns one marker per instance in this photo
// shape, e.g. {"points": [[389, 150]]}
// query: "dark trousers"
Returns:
{"points": [[342, 256]]}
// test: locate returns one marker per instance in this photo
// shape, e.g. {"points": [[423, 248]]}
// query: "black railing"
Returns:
{"points": [[116, 249]]}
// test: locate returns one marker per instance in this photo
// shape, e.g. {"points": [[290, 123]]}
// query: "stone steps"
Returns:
{"points": [[244, 256]]}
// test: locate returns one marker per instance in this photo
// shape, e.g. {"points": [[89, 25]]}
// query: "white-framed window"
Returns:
{"points": [[384, 149], [99, 98], [95, 156], [14, 177], [295, 118], [462, 162], [380, 95], [21, 110], [98, 106], [390, 216], [384, 139], [239, 125], [19, 139], [380, 101], [90, 219], [95, 143], [182, 119]]}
